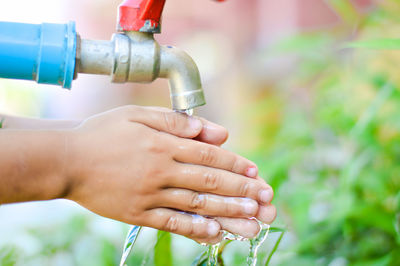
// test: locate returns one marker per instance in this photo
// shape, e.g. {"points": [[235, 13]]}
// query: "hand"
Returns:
{"points": [[217, 135], [124, 165], [211, 133]]}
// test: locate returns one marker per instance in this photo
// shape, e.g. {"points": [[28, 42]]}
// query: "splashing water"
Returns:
{"points": [[255, 243], [213, 255], [129, 242], [230, 236], [213, 249]]}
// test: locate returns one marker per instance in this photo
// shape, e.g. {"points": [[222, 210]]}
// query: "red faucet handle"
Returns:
{"points": [[140, 15]]}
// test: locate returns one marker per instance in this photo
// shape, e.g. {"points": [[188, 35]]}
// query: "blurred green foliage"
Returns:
{"points": [[328, 140], [8, 256], [163, 249]]}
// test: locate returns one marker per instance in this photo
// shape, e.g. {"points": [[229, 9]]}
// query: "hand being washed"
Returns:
{"points": [[140, 166]]}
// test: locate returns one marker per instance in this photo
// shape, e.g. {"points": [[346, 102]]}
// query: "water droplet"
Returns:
{"points": [[189, 112], [230, 236]]}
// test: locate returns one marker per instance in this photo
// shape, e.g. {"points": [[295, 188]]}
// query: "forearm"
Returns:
{"points": [[14, 122], [31, 165]]}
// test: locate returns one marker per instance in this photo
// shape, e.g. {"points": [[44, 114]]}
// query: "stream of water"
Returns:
{"points": [[213, 255], [212, 260], [255, 243], [129, 242]]}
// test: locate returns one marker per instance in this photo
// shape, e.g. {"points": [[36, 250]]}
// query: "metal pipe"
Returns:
{"points": [[137, 57], [95, 57]]}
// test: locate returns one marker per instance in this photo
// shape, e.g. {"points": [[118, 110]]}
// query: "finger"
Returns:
{"points": [[209, 155], [266, 214], [195, 227], [208, 204], [220, 182], [246, 228], [270, 194], [212, 133], [178, 124], [209, 241]]}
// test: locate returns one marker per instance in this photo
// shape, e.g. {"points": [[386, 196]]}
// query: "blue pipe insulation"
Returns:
{"points": [[42, 52]]}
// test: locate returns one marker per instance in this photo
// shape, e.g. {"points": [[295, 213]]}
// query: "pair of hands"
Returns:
{"points": [[140, 166], [144, 166]]}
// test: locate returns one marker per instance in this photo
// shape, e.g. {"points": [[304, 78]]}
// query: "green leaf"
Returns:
{"points": [[163, 250], [378, 44], [371, 112], [276, 229], [274, 248], [397, 226]]}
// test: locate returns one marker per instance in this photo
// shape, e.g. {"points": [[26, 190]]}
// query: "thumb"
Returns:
{"points": [[178, 124], [211, 133]]}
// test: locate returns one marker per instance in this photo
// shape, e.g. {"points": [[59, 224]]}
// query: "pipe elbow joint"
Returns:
{"points": [[184, 79]]}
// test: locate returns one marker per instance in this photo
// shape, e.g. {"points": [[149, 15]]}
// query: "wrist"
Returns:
{"points": [[72, 164], [52, 163], [32, 166], [15, 122]]}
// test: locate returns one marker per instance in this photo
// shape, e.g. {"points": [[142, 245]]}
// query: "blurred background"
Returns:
{"points": [[320, 120]]}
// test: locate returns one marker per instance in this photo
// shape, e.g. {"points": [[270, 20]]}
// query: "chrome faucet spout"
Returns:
{"points": [[184, 79]]}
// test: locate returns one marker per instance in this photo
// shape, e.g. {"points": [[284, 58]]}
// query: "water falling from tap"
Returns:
{"points": [[212, 259], [189, 112], [255, 243], [129, 242], [213, 255]]}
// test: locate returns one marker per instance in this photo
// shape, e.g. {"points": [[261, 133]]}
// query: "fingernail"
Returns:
{"points": [[213, 228], [265, 195], [195, 123], [250, 207], [252, 171]]}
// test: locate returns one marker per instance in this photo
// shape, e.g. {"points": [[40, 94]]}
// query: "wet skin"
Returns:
{"points": [[142, 166]]}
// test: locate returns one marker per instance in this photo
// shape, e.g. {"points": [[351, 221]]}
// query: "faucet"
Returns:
{"points": [[56, 54], [134, 56]]}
